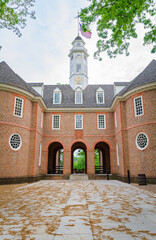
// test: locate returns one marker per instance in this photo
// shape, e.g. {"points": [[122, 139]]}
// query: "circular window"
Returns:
{"points": [[141, 141], [15, 141]]}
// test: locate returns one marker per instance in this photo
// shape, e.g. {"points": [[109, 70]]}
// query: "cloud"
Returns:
{"points": [[41, 54]]}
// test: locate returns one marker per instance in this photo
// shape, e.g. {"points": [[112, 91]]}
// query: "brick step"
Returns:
{"points": [[78, 177], [56, 177]]}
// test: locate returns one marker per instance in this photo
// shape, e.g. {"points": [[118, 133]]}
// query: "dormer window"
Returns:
{"points": [[100, 96], [78, 96], [57, 96]]}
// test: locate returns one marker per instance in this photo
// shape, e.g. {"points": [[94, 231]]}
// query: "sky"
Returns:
{"points": [[41, 54]]}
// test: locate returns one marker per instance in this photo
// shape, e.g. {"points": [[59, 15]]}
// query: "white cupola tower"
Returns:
{"points": [[78, 64]]}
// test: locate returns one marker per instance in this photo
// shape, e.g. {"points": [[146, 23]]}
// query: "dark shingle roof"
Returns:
{"points": [[68, 96], [78, 38], [35, 84], [121, 83], [9, 77], [147, 76]]}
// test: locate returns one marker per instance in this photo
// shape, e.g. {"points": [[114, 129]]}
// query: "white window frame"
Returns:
{"points": [[117, 154], [135, 109], [18, 148], [40, 155], [71, 69], [78, 92], [76, 115], [41, 119], [137, 142], [53, 116], [77, 68], [57, 92], [85, 70], [101, 91], [15, 105], [104, 121], [115, 119]]}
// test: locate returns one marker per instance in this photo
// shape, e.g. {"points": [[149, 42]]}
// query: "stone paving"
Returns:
{"points": [[76, 210]]}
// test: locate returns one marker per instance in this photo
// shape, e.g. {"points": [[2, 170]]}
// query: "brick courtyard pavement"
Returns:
{"points": [[77, 210]]}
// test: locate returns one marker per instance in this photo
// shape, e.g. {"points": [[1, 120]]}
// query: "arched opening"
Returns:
{"points": [[102, 158], [78, 158], [55, 158]]}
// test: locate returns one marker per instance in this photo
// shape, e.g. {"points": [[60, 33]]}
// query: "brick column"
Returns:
{"points": [[90, 162], [67, 162]]}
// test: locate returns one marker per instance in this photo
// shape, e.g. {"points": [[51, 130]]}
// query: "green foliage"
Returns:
{"points": [[79, 161], [61, 157], [13, 14], [96, 157], [116, 23]]}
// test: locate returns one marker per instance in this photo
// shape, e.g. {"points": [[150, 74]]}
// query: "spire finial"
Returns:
{"points": [[78, 15]]}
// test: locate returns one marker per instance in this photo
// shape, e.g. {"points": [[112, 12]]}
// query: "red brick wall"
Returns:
{"points": [[14, 163], [142, 161], [25, 162]]}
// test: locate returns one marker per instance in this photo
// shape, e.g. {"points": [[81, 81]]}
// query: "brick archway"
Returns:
{"points": [[78, 145], [54, 164], [104, 158]]}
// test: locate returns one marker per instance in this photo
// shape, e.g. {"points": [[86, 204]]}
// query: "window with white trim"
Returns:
{"points": [[85, 69], [117, 153], [15, 141], [78, 121], [138, 106], [101, 121], [78, 97], [71, 69], [55, 121], [57, 97], [41, 119], [40, 154], [78, 68], [115, 119], [141, 141], [100, 96], [18, 107]]}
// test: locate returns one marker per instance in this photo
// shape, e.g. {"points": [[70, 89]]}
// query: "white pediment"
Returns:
{"points": [[78, 89], [57, 89], [100, 90]]}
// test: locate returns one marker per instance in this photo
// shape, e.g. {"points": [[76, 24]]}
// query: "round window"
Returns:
{"points": [[15, 141], [141, 141]]}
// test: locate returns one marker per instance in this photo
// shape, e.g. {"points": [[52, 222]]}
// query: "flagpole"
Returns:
{"points": [[78, 22]]}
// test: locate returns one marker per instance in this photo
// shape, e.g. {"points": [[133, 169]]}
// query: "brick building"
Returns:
{"points": [[39, 123]]}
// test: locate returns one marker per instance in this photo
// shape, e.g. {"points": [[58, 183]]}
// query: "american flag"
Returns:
{"points": [[85, 34]]}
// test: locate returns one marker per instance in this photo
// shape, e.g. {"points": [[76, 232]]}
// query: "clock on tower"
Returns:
{"points": [[78, 64]]}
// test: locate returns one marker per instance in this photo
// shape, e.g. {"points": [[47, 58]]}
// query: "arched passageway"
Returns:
{"points": [[102, 158], [55, 158], [78, 158]]}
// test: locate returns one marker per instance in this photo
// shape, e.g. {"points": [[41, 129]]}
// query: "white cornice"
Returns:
{"points": [[79, 110], [126, 95], [117, 99], [24, 93]]}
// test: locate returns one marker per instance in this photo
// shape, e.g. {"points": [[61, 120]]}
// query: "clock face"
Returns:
{"points": [[78, 80]]}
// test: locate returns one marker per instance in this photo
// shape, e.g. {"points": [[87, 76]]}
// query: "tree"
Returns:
{"points": [[96, 158], [13, 14], [79, 160], [116, 24]]}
